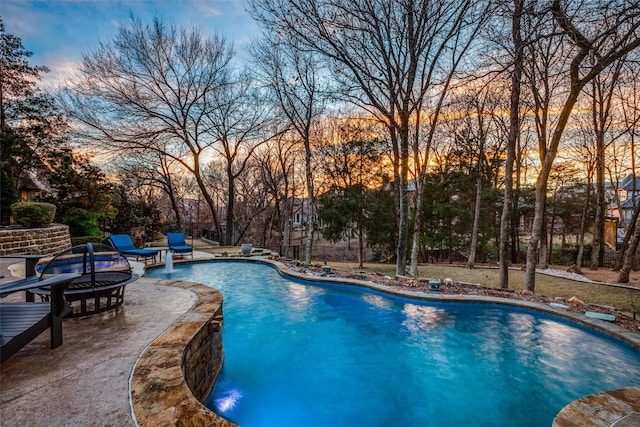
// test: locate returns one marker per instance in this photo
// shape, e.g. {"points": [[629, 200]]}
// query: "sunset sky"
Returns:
{"points": [[58, 32]]}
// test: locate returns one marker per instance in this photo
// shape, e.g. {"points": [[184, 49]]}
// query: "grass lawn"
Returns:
{"points": [[622, 299]]}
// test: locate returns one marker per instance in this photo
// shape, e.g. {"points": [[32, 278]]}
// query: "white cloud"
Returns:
{"points": [[61, 71]]}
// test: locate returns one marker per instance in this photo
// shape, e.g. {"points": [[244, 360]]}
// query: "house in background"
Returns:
{"points": [[33, 183], [300, 214], [625, 198]]}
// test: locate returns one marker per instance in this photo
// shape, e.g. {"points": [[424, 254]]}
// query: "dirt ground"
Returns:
{"points": [[606, 275]]}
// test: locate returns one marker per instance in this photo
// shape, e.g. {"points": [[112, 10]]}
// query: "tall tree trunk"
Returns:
{"points": [[310, 230], [627, 235], [417, 228], [476, 215], [597, 253], [231, 201], [403, 219], [541, 185], [583, 226], [623, 276], [360, 245], [578, 263], [515, 204], [286, 237], [310, 195], [420, 172], [513, 239], [543, 258], [514, 130], [551, 227]]}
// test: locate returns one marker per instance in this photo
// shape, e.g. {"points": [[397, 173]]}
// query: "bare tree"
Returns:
{"points": [[294, 78], [384, 54], [241, 122], [350, 162], [599, 36], [155, 170], [476, 128], [630, 253], [429, 107], [516, 71], [150, 90], [601, 94], [545, 60], [581, 151], [629, 96], [480, 104], [275, 161], [254, 207]]}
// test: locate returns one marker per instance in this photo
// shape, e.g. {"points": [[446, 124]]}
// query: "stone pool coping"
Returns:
{"points": [[619, 408], [177, 371], [161, 384], [630, 337]]}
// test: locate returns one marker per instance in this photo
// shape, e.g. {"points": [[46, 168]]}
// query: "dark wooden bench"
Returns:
{"points": [[21, 322]]}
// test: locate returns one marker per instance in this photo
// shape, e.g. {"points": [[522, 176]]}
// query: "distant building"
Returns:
{"points": [[33, 183], [300, 211], [622, 200]]}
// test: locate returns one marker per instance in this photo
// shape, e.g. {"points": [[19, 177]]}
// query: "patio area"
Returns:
{"points": [[95, 378], [87, 380]]}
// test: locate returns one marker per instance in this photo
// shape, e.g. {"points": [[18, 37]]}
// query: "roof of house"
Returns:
{"points": [[33, 180], [627, 183]]}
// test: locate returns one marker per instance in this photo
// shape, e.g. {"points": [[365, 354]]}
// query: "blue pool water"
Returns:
{"points": [[304, 354]]}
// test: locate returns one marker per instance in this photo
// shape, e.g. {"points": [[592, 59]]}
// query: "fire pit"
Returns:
{"points": [[104, 275]]}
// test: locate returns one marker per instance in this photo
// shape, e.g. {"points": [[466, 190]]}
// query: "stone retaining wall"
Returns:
{"points": [[203, 357], [178, 370], [35, 241]]}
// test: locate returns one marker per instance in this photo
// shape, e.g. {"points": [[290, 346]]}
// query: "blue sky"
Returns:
{"points": [[58, 32]]}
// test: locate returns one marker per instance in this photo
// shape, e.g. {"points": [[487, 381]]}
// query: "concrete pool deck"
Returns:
{"points": [[88, 380]]}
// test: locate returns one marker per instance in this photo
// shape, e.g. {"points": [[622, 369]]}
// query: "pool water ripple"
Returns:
{"points": [[298, 354]]}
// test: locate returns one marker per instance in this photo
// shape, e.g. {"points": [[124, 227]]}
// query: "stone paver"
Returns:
{"points": [[85, 382]]}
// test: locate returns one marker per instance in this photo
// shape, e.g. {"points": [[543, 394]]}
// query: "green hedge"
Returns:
{"points": [[81, 240], [33, 214]]}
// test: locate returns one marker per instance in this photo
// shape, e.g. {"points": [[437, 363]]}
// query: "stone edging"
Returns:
{"points": [[176, 373], [630, 337], [601, 409]]}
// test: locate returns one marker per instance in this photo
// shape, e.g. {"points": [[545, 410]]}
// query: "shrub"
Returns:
{"points": [[81, 240], [33, 214]]}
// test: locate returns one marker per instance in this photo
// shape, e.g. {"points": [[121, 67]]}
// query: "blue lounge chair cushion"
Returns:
{"points": [[177, 243], [124, 245], [181, 248]]}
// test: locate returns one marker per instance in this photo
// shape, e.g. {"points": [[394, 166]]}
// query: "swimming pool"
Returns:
{"points": [[298, 354]]}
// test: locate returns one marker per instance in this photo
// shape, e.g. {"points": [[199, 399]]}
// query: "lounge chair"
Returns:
{"points": [[22, 322], [123, 244], [177, 244]]}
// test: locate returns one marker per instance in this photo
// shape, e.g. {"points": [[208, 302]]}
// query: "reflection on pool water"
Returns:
{"points": [[298, 354]]}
